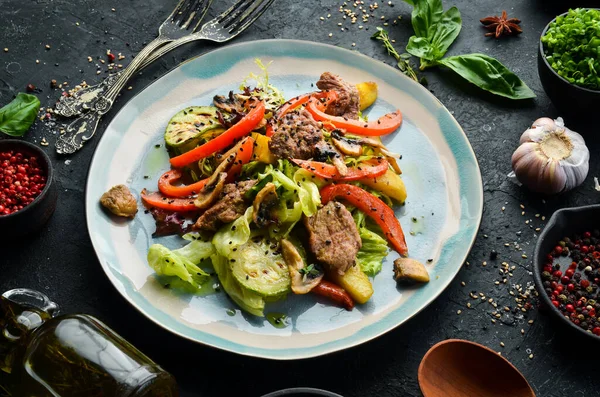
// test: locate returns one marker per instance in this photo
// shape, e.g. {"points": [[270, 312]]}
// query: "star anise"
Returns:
{"points": [[502, 26]]}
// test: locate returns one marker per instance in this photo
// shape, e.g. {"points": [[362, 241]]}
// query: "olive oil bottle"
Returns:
{"points": [[69, 355]]}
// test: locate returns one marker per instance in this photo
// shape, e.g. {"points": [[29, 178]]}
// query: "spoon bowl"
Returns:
{"points": [[459, 368]]}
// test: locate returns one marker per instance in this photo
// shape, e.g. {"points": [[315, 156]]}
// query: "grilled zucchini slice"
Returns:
{"points": [[261, 269], [189, 126]]}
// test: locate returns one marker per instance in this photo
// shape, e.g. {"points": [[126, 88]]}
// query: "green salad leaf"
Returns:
{"points": [[308, 191], [234, 234], [246, 299], [18, 115], [374, 248], [183, 262], [489, 74]]}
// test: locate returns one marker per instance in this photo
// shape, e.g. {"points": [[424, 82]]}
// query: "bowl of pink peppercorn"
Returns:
{"points": [[27, 193], [567, 268]]}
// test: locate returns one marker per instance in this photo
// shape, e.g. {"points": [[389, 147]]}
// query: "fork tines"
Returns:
{"points": [[189, 13], [242, 14]]}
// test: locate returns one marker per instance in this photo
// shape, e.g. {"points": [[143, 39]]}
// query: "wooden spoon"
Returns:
{"points": [[459, 368]]}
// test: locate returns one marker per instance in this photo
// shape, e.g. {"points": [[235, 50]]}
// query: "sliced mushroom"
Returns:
{"points": [[120, 201], [346, 146], [230, 104], [228, 156], [302, 280], [264, 204], [411, 270], [381, 148], [340, 165], [211, 191]]}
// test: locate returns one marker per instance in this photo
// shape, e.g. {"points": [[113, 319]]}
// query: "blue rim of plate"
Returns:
{"points": [[470, 186]]}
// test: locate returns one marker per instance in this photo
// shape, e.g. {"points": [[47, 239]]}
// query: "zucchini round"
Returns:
{"points": [[260, 269], [188, 126]]}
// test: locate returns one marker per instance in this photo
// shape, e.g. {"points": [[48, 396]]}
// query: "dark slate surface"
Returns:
{"points": [[61, 262]]}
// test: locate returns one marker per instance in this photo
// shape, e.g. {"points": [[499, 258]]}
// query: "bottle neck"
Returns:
{"points": [[22, 311]]}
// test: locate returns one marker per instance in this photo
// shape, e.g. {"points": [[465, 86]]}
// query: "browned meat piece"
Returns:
{"points": [[120, 201], [348, 100], [230, 206], [296, 136], [333, 236]]}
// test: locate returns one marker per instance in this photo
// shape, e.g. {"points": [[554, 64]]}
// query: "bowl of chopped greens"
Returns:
{"points": [[569, 60]]}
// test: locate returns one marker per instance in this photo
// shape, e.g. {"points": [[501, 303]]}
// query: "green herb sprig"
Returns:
{"points": [[403, 59], [18, 116], [572, 47], [436, 30], [310, 271]]}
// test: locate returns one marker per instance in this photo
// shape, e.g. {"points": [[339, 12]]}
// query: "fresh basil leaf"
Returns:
{"points": [[444, 32], [420, 47], [489, 74], [411, 2], [425, 14], [18, 115]]}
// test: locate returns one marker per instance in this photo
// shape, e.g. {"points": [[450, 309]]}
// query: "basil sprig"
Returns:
{"points": [[435, 30], [19, 114]]}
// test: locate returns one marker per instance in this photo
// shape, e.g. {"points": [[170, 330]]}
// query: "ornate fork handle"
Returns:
{"points": [[84, 127], [84, 99]]}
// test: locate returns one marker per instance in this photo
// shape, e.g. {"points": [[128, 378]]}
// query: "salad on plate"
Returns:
{"points": [[281, 197]]}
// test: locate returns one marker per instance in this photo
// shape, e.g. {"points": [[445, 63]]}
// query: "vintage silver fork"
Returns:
{"points": [[222, 28], [184, 19]]}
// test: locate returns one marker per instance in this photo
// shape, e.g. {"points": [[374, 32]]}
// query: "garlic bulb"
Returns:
{"points": [[551, 158]]}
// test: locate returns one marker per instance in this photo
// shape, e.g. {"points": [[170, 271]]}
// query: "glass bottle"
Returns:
{"points": [[69, 355]]}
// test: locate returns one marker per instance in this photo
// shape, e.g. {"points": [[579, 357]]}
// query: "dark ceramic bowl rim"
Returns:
{"points": [[49, 176], [550, 67], [306, 390], [537, 270]]}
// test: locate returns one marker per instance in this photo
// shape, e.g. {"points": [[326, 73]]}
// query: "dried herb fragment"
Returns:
{"points": [[501, 25]]}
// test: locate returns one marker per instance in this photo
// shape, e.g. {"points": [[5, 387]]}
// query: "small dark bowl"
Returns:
{"points": [[31, 218], [563, 223], [570, 99], [302, 392]]}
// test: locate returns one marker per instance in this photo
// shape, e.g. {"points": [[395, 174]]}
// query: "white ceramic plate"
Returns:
{"points": [[439, 169]]}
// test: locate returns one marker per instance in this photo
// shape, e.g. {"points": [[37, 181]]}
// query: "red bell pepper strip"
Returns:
{"points": [[300, 100], [157, 200], [335, 293], [243, 156], [242, 128], [165, 182], [382, 126], [367, 169], [371, 206], [166, 187]]}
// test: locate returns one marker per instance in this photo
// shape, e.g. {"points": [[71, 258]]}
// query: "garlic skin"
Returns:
{"points": [[551, 158]]}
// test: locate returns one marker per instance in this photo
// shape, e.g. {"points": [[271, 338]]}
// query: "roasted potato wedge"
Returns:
{"points": [[368, 93], [355, 282], [389, 184]]}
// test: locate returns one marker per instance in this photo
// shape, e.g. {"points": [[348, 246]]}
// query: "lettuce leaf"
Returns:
{"points": [[246, 299], [308, 192], [374, 247], [182, 263], [234, 234]]}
